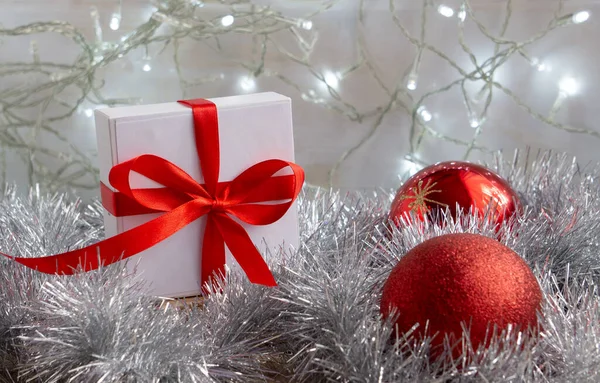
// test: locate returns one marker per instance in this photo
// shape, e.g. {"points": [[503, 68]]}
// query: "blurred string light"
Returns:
{"points": [[146, 61], [424, 114], [332, 79], [247, 83], [581, 17], [88, 112], [115, 18], [263, 21], [540, 65], [306, 24], [413, 78], [411, 84], [311, 96], [573, 18], [445, 10], [475, 122], [115, 21], [462, 13], [227, 20], [568, 86]]}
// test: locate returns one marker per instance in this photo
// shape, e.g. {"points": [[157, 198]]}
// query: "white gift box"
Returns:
{"points": [[252, 128]]}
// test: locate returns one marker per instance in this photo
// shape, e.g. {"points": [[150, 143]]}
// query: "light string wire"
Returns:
{"points": [[37, 105], [503, 50]]}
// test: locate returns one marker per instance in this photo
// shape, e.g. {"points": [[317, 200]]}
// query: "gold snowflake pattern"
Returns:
{"points": [[420, 197]]}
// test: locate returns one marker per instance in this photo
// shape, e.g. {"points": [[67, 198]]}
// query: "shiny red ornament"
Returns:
{"points": [[458, 278], [451, 184]]}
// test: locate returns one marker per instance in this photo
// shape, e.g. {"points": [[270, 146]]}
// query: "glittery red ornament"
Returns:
{"points": [[461, 277], [448, 184]]}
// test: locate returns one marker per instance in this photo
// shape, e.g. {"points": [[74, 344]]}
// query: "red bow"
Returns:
{"points": [[184, 200]]}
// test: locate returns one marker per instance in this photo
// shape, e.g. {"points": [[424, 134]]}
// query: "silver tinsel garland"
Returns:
{"points": [[322, 323]]}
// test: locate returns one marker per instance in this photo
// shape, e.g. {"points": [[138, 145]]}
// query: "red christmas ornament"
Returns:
{"points": [[458, 278], [448, 184]]}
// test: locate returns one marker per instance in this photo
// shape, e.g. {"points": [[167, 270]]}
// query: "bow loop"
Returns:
{"points": [[244, 186], [242, 191], [180, 185]]}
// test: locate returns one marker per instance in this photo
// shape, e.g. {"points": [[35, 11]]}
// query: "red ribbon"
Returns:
{"points": [[184, 200]]}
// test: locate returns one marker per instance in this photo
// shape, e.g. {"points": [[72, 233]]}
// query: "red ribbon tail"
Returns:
{"points": [[119, 247], [213, 253], [244, 251]]}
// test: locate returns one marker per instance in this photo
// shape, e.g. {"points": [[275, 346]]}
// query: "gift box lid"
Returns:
{"points": [[133, 112]]}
